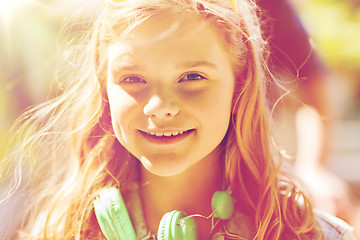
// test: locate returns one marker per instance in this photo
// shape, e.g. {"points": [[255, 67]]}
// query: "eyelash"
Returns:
{"points": [[198, 77], [132, 80], [188, 77]]}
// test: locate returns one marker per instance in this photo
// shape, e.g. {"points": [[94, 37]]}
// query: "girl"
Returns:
{"points": [[169, 107]]}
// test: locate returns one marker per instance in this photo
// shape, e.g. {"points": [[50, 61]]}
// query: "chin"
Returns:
{"points": [[163, 169]]}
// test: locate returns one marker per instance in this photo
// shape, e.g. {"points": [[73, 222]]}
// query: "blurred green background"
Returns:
{"points": [[334, 26]]}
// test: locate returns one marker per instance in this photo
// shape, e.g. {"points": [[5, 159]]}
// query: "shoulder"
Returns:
{"points": [[334, 228]]}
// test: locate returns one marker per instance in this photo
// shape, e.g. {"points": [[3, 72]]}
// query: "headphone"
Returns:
{"points": [[115, 223]]}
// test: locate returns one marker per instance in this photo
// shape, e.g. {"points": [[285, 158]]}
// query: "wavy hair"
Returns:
{"points": [[66, 151]]}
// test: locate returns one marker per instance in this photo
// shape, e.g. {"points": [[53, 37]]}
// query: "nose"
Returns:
{"points": [[161, 107]]}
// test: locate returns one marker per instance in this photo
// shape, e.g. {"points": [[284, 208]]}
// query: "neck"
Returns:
{"points": [[190, 191]]}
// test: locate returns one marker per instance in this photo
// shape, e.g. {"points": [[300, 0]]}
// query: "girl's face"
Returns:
{"points": [[170, 85]]}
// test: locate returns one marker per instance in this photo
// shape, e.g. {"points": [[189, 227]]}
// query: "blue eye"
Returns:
{"points": [[192, 77], [132, 80]]}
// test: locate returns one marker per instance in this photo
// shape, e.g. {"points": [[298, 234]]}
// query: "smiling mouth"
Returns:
{"points": [[166, 137]]}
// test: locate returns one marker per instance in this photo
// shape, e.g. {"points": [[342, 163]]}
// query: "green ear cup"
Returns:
{"points": [[164, 226], [112, 216], [173, 226], [188, 227], [223, 203]]}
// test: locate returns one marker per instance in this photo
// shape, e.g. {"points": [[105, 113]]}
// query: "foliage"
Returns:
{"points": [[335, 28]]}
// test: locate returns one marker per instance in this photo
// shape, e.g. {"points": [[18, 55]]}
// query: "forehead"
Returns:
{"points": [[169, 24], [181, 34]]}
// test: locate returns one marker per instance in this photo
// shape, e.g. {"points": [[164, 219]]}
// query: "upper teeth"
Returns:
{"points": [[166, 134]]}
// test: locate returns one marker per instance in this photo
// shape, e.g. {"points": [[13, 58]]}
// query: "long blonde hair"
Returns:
{"points": [[69, 152]]}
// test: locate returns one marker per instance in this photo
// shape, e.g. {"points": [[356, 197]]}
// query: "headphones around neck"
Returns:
{"points": [[115, 223]]}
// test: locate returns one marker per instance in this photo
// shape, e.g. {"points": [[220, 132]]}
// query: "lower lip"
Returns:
{"points": [[164, 139]]}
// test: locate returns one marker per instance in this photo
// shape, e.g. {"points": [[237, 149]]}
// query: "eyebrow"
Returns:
{"points": [[124, 60], [183, 65], [193, 64], [118, 63], [126, 67]]}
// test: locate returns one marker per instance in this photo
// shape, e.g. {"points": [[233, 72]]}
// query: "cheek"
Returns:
{"points": [[122, 108], [213, 104]]}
